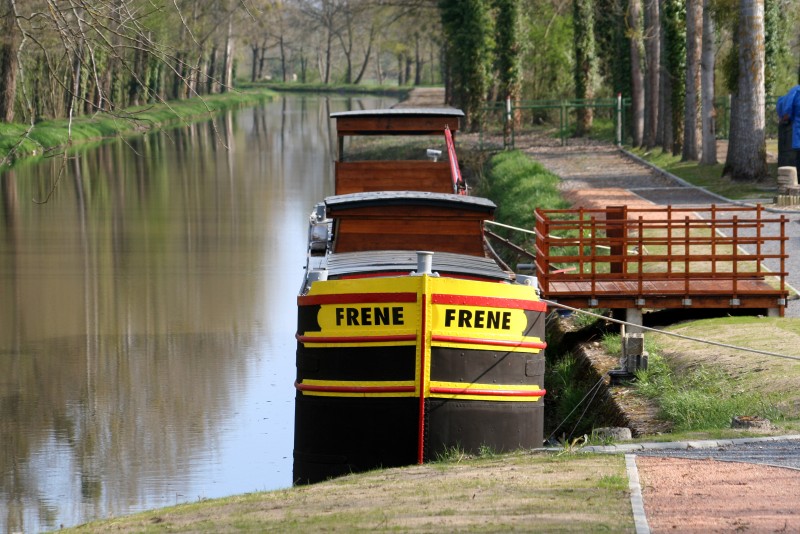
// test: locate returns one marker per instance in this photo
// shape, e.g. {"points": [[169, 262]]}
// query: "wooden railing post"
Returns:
{"points": [[617, 229]]}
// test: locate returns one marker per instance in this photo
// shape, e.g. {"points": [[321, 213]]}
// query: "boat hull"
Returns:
{"points": [[399, 370]]}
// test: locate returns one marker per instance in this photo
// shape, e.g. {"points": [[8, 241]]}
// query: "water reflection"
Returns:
{"points": [[147, 315]]}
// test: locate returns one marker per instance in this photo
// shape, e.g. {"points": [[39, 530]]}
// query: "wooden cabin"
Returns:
{"points": [[396, 175]]}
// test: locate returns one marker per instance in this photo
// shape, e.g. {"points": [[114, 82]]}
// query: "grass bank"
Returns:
{"points": [[523, 491], [321, 88], [19, 141], [710, 177]]}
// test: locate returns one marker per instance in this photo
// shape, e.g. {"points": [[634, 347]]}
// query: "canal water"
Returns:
{"points": [[147, 314]]}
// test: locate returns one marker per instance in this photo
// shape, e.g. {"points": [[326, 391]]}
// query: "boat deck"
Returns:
{"points": [[393, 262]]}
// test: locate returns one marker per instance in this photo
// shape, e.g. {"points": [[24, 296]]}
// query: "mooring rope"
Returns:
{"points": [[674, 334], [595, 388]]}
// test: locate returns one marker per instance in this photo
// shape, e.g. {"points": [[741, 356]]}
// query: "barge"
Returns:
{"points": [[411, 340]]}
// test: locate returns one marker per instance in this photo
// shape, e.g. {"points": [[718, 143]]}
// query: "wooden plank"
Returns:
{"points": [[361, 176]]}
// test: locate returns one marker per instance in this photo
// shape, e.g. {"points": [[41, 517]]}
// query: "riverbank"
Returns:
{"points": [[26, 142], [30, 142]]}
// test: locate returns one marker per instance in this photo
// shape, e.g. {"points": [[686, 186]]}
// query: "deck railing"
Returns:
{"points": [[630, 248]]}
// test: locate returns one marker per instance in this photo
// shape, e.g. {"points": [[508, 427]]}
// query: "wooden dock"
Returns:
{"points": [[662, 257]]}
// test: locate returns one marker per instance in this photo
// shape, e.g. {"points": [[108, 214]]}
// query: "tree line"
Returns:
{"points": [[672, 58]]}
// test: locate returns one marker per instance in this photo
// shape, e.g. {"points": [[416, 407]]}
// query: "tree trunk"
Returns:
{"points": [[709, 115], [583, 21], [637, 76], [652, 52], [227, 78], [674, 61], [367, 55], [327, 78], [747, 154], [378, 66], [400, 70], [9, 60], [254, 49], [213, 57], [694, 45], [417, 61], [282, 50]]}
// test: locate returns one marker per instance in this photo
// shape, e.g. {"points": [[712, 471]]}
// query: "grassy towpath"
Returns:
{"points": [[521, 492], [20, 141]]}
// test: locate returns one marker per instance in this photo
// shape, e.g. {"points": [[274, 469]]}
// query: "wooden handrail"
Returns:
{"points": [[661, 244]]}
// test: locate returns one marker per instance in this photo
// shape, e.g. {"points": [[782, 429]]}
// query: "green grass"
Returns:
{"points": [[703, 398], [297, 87], [506, 493], [55, 135], [709, 176]]}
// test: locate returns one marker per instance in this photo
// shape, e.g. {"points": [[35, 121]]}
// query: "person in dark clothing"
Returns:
{"points": [[788, 108]]}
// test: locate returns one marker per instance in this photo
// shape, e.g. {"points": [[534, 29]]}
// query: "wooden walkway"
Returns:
{"points": [[662, 257]]}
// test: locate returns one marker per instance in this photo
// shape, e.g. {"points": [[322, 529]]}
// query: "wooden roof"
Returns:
{"points": [[397, 121]]}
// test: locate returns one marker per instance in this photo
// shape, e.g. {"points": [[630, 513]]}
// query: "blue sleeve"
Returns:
{"points": [[789, 104]]}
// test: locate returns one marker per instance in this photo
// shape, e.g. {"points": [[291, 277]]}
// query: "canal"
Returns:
{"points": [[148, 313]]}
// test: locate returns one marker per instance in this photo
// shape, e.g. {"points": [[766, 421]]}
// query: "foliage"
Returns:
{"points": [[468, 30], [571, 446], [508, 48], [547, 31], [613, 46], [48, 136], [585, 60], [674, 26], [572, 407]]}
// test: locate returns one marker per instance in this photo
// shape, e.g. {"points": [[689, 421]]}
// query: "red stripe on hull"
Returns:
{"points": [[493, 302], [489, 392], [355, 298], [497, 342]]}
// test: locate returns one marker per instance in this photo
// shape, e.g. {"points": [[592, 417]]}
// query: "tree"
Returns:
{"points": [[673, 56], [468, 30], [585, 61], [634, 24], [652, 54], [708, 58], [9, 59], [547, 34], [694, 45], [508, 49], [747, 154]]}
